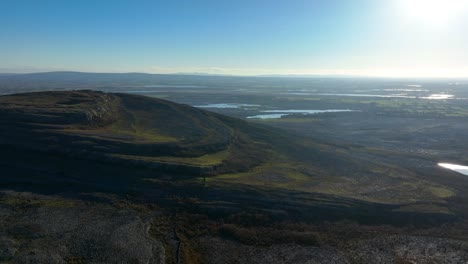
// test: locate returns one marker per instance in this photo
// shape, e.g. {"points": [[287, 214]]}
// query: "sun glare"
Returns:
{"points": [[436, 13]]}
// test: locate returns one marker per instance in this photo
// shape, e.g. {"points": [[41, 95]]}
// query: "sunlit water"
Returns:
{"points": [[227, 105], [402, 90], [267, 116], [172, 86], [281, 113], [141, 91], [307, 111], [368, 95], [458, 168], [438, 96]]}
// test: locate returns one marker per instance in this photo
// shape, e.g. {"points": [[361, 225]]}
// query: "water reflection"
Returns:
{"points": [[226, 105], [458, 168], [281, 113], [438, 96], [268, 116], [308, 111]]}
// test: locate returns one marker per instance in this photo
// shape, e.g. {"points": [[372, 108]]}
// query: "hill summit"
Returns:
{"points": [[129, 128]]}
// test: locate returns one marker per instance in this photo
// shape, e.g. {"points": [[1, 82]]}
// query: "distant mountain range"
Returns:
{"points": [[68, 80], [55, 73]]}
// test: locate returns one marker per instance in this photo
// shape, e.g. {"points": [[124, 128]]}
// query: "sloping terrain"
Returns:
{"points": [[92, 177], [127, 128], [190, 142], [181, 142]]}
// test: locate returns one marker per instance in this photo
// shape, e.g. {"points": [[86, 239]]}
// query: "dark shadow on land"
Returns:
{"points": [[71, 177]]}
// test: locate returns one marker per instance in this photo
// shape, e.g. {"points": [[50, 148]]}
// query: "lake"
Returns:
{"points": [[281, 113], [227, 105], [458, 168], [172, 86]]}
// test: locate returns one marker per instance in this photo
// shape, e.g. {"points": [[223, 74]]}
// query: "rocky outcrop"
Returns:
{"points": [[52, 230], [123, 128], [82, 108]]}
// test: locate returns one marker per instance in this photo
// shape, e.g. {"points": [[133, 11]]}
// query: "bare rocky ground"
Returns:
{"points": [[225, 251], [47, 229], [393, 249], [135, 215]]}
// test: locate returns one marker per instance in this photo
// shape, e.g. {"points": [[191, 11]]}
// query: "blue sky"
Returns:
{"points": [[361, 37]]}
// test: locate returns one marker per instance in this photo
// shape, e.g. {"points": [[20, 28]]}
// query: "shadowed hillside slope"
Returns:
{"points": [[128, 128], [92, 177], [45, 133]]}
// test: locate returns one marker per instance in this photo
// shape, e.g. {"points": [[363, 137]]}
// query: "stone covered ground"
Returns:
{"points": [[51, 229]]}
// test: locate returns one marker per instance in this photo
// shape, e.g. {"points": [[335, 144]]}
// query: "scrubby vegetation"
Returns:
{"points": [[131, 129], [96, 177]]}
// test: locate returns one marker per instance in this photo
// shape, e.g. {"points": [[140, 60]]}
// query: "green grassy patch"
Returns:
{"points": [[205, 160], [441, 192], [51, 203], [424, 208]]}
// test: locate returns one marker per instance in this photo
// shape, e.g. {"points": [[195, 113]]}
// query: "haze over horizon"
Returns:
{"points": [[398, 38]]}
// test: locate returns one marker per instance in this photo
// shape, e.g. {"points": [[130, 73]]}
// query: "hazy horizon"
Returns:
{"points": [[398, 38], [279, 75]]}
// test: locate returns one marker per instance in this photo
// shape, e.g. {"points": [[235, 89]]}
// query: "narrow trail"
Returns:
{"points": [[179, 245]]}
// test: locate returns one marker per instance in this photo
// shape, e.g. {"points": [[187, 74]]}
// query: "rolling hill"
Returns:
{"points": [[130, 129], [92, 176], [182, 142]]}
